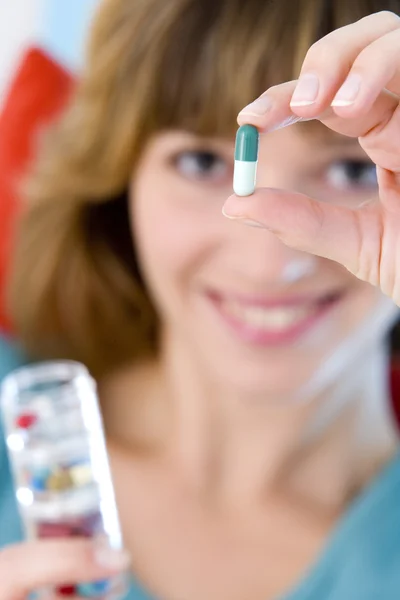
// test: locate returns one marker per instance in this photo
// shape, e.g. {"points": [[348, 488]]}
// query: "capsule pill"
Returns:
{"points": [[246, 158]]}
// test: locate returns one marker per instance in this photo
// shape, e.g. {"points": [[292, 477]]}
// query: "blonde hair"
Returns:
{"points": [[76, 290]]}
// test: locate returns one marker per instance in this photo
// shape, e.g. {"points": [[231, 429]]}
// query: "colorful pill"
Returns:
{"points": [[81, 475], [39, 480], [59, 481], [94, 589], [246, 157], [66, 591], [91, 525], [53, 530], [26, 420]]}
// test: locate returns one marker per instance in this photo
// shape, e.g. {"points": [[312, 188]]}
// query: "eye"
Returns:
{"points": [[350, 174], [201, 165]]}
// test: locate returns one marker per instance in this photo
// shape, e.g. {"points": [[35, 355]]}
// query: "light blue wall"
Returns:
{"points": [[63, 29]]}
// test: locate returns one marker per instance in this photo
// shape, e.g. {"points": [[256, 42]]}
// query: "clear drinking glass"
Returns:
{"points": [[57, 450]]}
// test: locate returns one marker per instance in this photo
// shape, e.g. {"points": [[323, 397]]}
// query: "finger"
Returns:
{"points": [[326, 230], [30, 566], [375, 68], [272, 111], [330, 59], [382, 144], [359, 45]]}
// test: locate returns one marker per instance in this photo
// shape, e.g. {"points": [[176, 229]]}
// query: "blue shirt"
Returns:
{"points": [[361, 560]]}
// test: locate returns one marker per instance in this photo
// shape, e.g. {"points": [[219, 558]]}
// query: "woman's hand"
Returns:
{"points": [[57, 564], [350, 81]]}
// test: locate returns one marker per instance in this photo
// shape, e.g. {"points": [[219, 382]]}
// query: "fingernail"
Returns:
{"points": [[250, 222], [111, 559], [286, 123], [257, 108], [348, 92], [306, 91], [244, 220]]}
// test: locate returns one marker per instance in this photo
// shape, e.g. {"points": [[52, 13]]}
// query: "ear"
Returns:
{"points": [[39, 91]]}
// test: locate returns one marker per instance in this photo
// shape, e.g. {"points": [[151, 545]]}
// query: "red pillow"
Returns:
{"points": [[39, 91]]}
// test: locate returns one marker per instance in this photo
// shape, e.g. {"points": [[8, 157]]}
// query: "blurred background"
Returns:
{"points": [[55, 26], [41, 47]]}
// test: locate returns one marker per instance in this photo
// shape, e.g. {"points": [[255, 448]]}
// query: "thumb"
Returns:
{"points": [[323, 229]]}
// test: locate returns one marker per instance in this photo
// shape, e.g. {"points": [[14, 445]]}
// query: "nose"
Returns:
{"points": [[262, 258], [274, 176], [281, 158]]}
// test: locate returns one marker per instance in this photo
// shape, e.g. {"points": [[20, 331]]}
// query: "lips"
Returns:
{"points": [[273, 321]]}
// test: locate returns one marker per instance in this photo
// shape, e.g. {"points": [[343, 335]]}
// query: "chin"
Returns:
{"points": [[278, 379]]}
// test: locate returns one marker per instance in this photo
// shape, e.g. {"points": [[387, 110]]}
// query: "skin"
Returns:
{"points": [[365, 242], [55, 563], [216, 490], [188, 251]]}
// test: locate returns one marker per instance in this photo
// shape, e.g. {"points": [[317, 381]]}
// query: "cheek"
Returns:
{"points": [[175, 233], [364, 305]]}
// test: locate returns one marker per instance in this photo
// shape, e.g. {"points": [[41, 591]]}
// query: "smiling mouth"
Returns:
{"points": [[273, 322]]}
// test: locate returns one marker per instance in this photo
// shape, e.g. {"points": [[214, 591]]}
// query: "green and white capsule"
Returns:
{"points": [[246, 157]]}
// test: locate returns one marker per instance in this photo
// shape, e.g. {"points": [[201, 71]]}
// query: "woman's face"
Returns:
{"points": [[253, 311]]}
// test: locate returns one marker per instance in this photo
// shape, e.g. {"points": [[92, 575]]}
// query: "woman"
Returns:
{"points": [[243, 383]]}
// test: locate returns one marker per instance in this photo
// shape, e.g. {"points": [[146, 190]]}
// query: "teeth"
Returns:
{"points": [[270, 318]]}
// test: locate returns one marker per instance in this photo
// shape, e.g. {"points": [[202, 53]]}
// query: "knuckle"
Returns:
{"points": [[366, 64], [387, 17], [331, 45], [321, 52], [274, 89]]}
